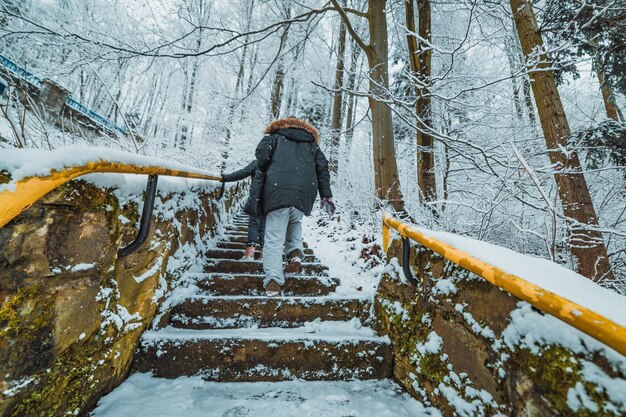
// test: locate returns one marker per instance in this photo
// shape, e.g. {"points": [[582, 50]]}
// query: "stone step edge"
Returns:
{"points": [[226, 275], [213, 261], [226, 250], [292, 299], [268, 334]]}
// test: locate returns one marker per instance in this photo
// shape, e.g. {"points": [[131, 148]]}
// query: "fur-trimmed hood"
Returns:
{"points": [[293, 123]]}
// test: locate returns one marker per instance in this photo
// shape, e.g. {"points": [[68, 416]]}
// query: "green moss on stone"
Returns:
{"points": [[554, 371], [71, 378], [24, 315], [432, 368], [406, 331]]}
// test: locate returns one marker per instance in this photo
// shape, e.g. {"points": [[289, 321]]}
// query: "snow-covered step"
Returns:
{"points": [[244, 312], [256, 267], [315, 351], [237, 229], [242, 246], [237, 254], [235, 234], [243, 238], [252, 284], [145, 395], [239, 237]]}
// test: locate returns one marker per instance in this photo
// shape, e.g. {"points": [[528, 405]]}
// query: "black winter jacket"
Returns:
{"points": [[243, 173], [295, 166]]}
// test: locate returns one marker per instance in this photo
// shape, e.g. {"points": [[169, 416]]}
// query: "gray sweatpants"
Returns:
{"points": [[283, 234]]}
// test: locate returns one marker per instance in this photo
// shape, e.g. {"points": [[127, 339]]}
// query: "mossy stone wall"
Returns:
{"points": [[473, 360], [71, 312]]}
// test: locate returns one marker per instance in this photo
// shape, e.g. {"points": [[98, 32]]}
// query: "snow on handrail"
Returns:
{"points": [[17, 196], [594, 316]]}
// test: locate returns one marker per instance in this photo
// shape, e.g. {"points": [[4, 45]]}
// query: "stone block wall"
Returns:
{"points": [[71, 312], [460, 344]]}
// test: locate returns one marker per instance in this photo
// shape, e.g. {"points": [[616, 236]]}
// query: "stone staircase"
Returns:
{"points": [[230, 331]]}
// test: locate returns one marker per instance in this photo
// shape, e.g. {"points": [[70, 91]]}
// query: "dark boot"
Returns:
{"points": [[294, 263]]}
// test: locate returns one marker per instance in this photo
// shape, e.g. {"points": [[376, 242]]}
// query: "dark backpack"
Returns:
{"points": [[254, 205]]}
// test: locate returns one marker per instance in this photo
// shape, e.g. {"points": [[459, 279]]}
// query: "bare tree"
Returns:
{"points": [[387, 181], [351, 97], [420, 57], [337, 116]]}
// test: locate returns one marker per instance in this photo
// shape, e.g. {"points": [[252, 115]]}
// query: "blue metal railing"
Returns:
{"points": [[101, 120], [19, 71]]}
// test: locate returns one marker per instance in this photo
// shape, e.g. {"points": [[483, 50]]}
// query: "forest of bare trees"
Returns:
{"points": [[498, 120]]}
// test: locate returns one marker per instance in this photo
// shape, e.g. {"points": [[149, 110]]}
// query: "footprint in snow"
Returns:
{"points": [[239, 411], [283, 395]]}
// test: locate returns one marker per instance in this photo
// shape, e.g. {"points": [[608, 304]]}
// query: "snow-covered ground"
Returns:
{"points": [[338, 246], [144, 395]]}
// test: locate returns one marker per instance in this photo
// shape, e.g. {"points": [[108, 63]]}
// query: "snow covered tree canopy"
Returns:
{"points": [[197, 80]]}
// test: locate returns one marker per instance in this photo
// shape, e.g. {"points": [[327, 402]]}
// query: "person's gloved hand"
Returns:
{"points": [[328, 205]]}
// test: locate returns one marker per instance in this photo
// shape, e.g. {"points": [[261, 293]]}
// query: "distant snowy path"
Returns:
{"points": [[143, 395]]}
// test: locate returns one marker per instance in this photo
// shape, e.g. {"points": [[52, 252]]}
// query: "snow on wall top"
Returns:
{"points": [[543, 273], [23, 163]]}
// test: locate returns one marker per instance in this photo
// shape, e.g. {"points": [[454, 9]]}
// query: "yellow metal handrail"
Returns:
{"points": [[23, 193], [576, 315]]}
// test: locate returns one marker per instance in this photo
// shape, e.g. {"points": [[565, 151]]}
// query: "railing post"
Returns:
{"points": [[146, 217], [221, 193], [406, 261]]}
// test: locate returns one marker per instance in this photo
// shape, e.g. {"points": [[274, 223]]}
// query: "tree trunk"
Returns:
{"points": [[386, 179], [385, 166], [238, 89], [420, 55], [447, 127], [277, 91], [279, 77], [336, 121], [511, 55], [426, 158], [351, 98], [587, 245], [612, 110], [186, 128], [514, 53], [529, 102]]}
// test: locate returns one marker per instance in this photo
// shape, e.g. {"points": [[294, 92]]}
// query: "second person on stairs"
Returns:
{"points": [[256, 224], [292, 170]]}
